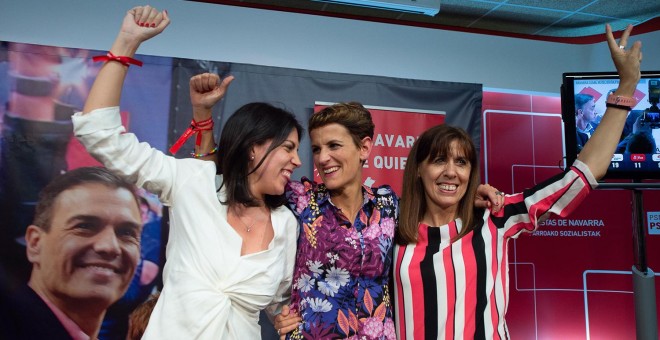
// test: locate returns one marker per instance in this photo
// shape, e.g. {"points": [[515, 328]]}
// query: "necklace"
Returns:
{"points": [[248, 228]]}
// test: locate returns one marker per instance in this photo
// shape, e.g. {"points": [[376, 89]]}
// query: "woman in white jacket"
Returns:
{"points": [[230, 251]]}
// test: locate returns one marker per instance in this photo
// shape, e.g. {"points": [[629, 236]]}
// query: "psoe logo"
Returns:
{"points": [[653, 220]]}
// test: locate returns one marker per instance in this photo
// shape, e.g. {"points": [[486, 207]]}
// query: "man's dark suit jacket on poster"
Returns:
{"points": [[24, 315], [582, 139]]}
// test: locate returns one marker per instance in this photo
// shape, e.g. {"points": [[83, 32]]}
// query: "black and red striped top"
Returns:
{"points": [[460, 289]]}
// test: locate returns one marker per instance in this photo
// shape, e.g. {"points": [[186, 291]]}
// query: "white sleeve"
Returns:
{"points": [[102, 134]]}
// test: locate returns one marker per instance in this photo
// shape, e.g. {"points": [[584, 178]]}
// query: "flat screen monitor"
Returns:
{"points": [[584, 95]]}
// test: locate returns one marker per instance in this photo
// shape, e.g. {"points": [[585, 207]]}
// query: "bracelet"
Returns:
{"points": [[195, 127], [126, 61], [621, 100], [616, 106], [201, 155]]}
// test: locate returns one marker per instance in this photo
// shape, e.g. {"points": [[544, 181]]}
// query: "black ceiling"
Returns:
{"points": [[569, 21]]}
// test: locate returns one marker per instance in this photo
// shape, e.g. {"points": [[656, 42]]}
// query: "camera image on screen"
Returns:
{"points": [[651, 116], [583, 95]]}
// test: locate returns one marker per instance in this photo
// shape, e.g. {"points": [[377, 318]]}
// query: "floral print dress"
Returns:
{"points": [[342, 270]]}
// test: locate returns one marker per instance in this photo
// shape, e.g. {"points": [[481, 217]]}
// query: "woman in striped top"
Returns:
{"points": [[450, 261]]}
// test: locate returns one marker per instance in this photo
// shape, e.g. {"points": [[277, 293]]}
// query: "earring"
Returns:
{"points": [[252, 158]]}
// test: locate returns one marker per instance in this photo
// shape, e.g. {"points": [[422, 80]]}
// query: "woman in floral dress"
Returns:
{"points": [[341, 276]]}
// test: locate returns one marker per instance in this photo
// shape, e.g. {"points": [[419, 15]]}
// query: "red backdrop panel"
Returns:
{"points": [[571, 279]]}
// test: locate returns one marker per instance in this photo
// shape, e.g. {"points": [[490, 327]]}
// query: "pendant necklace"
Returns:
{"points": [[248, 228]]}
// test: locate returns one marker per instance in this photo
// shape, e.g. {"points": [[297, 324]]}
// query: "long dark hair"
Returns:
{"points": [[433, 143], [252, 124]]}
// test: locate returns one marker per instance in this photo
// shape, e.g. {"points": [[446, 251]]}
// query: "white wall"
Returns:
{"points": [[235, 34]]}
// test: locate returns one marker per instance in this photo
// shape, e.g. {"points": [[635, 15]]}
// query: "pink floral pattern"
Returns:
{"points": [[340, 281]]}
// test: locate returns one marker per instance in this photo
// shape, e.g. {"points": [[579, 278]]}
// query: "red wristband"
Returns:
{"points": [[126, 61], [195, 127]]}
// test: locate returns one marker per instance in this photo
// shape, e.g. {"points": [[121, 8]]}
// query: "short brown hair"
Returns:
{"points": [[580, 100], [139, 318], [353, 116], [433, 143], [43, 214]]}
